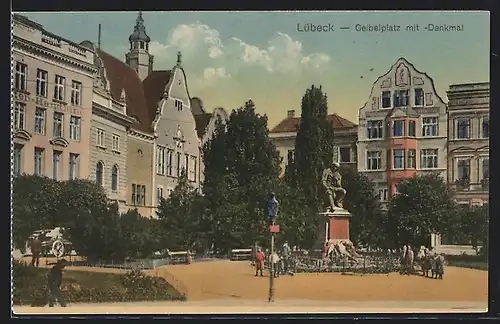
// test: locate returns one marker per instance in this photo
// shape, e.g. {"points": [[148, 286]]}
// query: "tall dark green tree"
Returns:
{"points": [[423, 205], [180, 215], [241, 169], [313, 146]]}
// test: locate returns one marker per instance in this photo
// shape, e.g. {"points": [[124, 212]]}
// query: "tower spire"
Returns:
{"points": [[179, 58]]}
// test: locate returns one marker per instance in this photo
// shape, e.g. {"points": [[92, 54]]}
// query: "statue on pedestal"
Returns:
{"points": [[332, 180]]}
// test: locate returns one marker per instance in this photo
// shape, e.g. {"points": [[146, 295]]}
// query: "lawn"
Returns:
{"points": [[86, 286]]}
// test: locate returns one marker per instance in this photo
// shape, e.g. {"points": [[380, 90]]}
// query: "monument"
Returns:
{"points": [[335, 221]]}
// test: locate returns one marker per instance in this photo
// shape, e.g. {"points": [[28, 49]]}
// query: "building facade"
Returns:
{"points": [[402, 129], [345, 138], [468, 141], [52, 103]]}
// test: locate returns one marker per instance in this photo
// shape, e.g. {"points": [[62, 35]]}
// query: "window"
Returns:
{"points": [[159, 195], [76, 93], [115, 146], [345, 154], [374, 128], [411, 128], [18, 166], [430, 126], [141, 44], [336, 154], [57, 130], [463, 128], [39, 161], [399, 159], [114, 178], [179, 166], [486, 128], [56, 164], [383, 194], [178, 105], [486, 168], [138, 195], [429, 159], [21, 77], [373, 160], [160, 160], [290, 156], [192, 170], [463, 169], [99, 173], [398, 128], [400, 98], [412, 159], [59, 87], [170, 160], [19, 110], [169, 192], [40, 120], [41, 83], [74, 128], [419, 97], [100, 138], [386, 99], [186, 164], [73, 165]]}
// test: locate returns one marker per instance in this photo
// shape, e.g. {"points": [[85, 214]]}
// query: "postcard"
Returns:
{"points": [[250, 162]]}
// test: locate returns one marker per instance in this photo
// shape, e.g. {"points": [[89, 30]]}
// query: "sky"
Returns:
{"points": [[230, 57]]}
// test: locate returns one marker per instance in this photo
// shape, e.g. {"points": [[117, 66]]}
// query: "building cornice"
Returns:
{"points": [[49, 53], [140, 135], [112, 114]]}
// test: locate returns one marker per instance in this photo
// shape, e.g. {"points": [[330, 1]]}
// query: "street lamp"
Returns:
{"points": [[272, 212]]}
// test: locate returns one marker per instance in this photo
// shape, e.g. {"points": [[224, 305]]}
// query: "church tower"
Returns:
{"points": [[138, 56]]}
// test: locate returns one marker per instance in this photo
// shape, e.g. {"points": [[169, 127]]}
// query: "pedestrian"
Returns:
{"points": [[275, 259], [286, 251], [259, 262], [36, 248], [54, 281]]}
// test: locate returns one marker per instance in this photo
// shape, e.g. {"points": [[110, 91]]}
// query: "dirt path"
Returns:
{"points": [[236, 280]]}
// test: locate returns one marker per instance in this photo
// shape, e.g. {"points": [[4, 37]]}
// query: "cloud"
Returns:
{"points": [[202, 49]]}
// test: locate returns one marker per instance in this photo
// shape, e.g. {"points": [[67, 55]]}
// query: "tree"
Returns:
{"points": [[34, 206], [422, 206], [361, 200], [241, 168], [180, 215], [473, 225], [313, 145], [140, 235]]}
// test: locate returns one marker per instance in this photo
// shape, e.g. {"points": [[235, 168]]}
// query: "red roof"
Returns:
{"points": [[142, 97], [291, 124]]}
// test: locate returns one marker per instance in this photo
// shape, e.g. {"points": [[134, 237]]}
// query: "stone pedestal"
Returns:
{"points": [[335, 226]]}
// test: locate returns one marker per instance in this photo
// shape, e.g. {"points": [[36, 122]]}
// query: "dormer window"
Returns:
{"points": [[142, 45], [400, 98], [178, 105]]}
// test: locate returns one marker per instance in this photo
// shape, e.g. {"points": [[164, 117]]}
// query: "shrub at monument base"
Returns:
{"points": [[29, 286]]}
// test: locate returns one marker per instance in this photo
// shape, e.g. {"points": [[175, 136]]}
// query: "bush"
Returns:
{"points": [[89, 287]]}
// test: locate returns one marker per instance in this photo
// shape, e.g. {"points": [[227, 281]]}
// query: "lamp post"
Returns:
{"points": [[272, 211]]}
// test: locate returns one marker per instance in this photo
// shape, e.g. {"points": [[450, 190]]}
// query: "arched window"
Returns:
{"points": [[99, 171], [114, 178]]}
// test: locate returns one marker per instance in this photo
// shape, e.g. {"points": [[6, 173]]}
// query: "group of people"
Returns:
{"points": [[281, 261], [427, 259]]}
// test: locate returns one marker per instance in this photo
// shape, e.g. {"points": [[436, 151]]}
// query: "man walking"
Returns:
{"points": [[54, 281], [286, 251]]}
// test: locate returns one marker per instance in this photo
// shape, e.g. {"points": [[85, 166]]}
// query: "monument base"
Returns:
{"points": [[335, 226]]}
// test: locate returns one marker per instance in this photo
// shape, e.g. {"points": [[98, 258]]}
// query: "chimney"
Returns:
{"points": [[290, 114]]}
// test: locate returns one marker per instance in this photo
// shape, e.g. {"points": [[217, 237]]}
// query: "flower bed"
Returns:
{"points": [[29, 285]]}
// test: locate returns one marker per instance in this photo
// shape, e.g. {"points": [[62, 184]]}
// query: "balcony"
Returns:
{"points": [[464, 185]]}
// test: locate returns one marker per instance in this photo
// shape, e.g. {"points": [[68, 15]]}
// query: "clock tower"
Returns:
{"points": [[138, 56]]}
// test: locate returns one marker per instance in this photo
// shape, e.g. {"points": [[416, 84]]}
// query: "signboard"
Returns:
{"points": [[274, 228], [42, 102]]}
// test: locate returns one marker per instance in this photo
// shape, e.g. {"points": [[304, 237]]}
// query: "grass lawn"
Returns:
{"points": [[87, 286], [480, 265]]}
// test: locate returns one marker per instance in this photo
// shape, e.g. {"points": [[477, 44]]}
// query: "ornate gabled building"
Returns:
{"points": [[345, 137], [402, 129], [164, 137], [52, 102]]}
